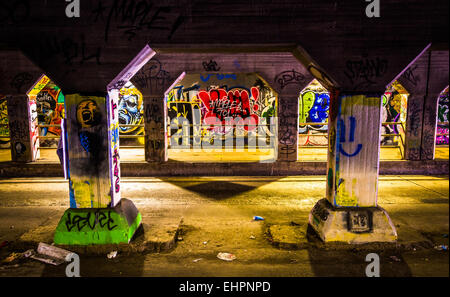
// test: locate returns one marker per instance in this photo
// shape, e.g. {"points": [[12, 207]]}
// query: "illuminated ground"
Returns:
{"points": [[218, 216], [305, 154]]}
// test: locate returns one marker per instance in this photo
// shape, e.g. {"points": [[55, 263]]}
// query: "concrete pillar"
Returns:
{"points": [[429, 126], [97, 213], [424, 79], [287, 128], [153, 82], [155, 127], [23, 128], [414, 120], [350, 212], [87, 129]]}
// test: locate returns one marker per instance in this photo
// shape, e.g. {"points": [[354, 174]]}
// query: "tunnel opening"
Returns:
{"points": [[441, 149], [314, 104], [222, 118], [131, 123]]}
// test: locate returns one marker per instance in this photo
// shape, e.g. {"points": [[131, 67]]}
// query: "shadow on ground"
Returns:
{"points": [[218, 189]]}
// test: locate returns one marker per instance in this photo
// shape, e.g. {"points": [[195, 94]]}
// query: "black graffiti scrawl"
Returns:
{"points": [[364, 72]]}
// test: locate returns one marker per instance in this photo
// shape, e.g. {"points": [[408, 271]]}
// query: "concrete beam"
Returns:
{"points": [[83, 54]]}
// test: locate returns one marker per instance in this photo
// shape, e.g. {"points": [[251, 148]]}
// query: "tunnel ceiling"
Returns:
{"points": [[84, 54]]}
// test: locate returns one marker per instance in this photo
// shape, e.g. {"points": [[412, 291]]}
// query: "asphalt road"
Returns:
{"points": [[217, 214]]}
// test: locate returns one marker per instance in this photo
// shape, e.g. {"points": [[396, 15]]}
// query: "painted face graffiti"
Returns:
{"points": [[88, 114], [130, 112]]}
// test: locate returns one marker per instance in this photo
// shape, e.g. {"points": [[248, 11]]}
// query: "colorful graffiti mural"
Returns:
{"points": [[314, 102], [50, 108], [87, 131], [131, 115], [4, 123], [442, 119], [394, 102], [220, 105]]}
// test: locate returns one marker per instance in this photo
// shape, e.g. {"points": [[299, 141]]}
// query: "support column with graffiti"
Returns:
{"points": [[424, 79], [153, 82], [23, 128], [288, 128], [156, 142], [350, 212], [97, 214]]}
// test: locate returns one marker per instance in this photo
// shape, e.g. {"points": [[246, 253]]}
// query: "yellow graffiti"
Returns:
{"points": [[343, 198], [87, 113], [114, 131], [39, 86], [396, 102], [84, 194]]}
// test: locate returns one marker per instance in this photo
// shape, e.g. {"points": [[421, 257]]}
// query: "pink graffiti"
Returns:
{"points": [[442, 139]]}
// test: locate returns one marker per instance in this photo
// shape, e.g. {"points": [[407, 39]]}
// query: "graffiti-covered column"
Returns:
{"points": [[87, 129], [424, 79], [156, 142], [154, 81], [97, 214], [350, 212], [414, 118], [438, 78], [23, 128], [430, 120], [287, 128]]}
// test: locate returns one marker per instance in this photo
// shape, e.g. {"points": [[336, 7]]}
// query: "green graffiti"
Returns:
{"points": [[94, 226], [305, 104]]}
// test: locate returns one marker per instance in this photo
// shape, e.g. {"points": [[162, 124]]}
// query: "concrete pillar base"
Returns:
{"points": [[354, 225], [87, 226]]}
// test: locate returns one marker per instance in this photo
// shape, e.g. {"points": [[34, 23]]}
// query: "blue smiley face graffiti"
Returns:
{"points": [[342, 128]]}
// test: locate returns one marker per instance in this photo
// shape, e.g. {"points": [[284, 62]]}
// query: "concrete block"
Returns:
{"points": [[98, 225], [354, 225]]}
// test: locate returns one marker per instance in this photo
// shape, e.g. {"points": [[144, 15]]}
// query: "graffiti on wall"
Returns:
{"points": [[353, 167], [22, 117], [34, 130], [50, 108], [213, 105], [131, 114], [113, 136], [4, 123], [394, 108], [100, 219], [314, 102], [442, 119], [87, 131]]}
